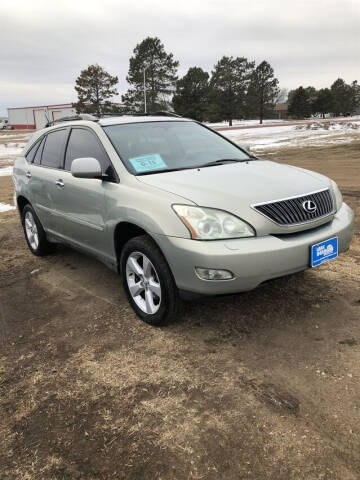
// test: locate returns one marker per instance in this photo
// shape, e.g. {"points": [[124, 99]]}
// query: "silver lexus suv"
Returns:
{"points": [[174, 207]]}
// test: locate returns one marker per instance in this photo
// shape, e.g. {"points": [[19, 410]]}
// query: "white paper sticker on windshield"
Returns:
{"points": [[147, 163]]}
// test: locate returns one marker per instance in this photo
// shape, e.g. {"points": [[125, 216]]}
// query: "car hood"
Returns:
{"points": [[234, 187]]}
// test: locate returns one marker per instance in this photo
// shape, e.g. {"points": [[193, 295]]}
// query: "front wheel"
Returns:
{"points": [[148, 281]]}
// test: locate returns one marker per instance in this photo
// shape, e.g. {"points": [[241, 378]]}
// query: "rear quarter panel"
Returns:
{"points": [[21, 182]]}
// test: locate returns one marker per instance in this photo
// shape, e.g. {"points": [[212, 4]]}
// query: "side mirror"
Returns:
{"points": [[86, 168]]}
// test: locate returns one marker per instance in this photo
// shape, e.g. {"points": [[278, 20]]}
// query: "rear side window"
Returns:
{"points": [[31, 153], [37, 157], [54, 149], [82, 143]]}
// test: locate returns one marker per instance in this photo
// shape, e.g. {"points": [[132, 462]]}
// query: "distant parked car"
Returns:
{"points": [[5, 125], [175, 207]]}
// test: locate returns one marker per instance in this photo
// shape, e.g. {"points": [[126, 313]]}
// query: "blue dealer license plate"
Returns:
{"points": [[324, 251]]}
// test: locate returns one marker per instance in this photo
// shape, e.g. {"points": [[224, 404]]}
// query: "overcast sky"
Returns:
{"points": [[45, 43]]}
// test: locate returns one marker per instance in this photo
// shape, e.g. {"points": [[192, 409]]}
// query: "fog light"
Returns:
{"points": [[213, 274]]}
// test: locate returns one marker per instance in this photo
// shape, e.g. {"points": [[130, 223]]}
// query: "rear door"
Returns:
{"points": [[80, 203], [44, 171]]}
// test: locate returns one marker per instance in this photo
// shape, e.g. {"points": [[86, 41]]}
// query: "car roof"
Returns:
{"points": [[105, 121]]}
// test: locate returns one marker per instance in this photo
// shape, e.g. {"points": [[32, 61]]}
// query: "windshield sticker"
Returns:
{"points": [[147, 163]]}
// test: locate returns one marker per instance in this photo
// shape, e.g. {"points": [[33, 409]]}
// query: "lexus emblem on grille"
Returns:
{"points": [[309, 206]]}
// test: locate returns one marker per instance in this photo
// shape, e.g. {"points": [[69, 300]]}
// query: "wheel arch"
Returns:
{"points": [[125, 231], [21, 202]]}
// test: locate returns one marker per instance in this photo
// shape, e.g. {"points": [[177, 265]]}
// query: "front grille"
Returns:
{"points": [[291, 211]]}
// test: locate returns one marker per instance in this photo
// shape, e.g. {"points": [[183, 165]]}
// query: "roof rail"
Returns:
{"points": [[104, 115], [162, 114], [80, 116], [139, 114]]}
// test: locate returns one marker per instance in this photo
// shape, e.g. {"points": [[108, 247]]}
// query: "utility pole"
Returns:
{"points": [[145, 89]]}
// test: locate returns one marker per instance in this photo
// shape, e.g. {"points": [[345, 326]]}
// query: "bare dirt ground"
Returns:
{"points": [[263, 385]]}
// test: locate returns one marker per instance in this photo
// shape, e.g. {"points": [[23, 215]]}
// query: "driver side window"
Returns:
{"points": [[82, 143]]}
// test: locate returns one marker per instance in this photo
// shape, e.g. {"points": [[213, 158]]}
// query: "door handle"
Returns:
{"points": [[59, 183], [28, 174]]}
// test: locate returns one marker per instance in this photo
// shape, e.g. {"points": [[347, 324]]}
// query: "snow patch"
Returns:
{"points": [[11, 149], [329, 126], [6, 171], [4, 207], [312, 134]]}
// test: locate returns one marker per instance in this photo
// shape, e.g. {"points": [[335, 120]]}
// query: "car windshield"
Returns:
{"points": [[152, 147]]}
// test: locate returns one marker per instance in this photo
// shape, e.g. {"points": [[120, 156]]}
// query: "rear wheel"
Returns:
{"points": [[34, 233], [148, 281]]}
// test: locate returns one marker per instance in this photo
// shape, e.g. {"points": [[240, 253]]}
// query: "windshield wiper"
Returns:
{"points": [[164, 170], [222, 161]]}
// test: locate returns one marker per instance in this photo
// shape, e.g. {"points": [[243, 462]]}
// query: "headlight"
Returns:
{"points": [[337, 195], [211, 224]]}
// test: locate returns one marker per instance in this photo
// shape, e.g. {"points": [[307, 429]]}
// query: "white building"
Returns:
{"points": [[37, 117]]}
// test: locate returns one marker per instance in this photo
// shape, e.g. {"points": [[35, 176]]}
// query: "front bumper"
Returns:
{"points": [[251, 260]]}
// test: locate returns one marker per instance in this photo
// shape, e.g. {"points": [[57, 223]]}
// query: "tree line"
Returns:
{"points": [[340, 99], [236, 88]]}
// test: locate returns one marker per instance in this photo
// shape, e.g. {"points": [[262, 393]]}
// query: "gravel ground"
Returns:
{"points": [[262, 385]]}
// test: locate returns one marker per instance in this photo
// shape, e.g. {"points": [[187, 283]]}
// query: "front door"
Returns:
{"points": [[80, 204], [80, 211]]}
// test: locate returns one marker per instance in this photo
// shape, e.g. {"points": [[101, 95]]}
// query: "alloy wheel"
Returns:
{"points": [[143, 283], [31, 230]]}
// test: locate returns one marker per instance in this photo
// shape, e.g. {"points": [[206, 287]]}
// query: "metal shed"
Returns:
{"points": [[36, 117]]}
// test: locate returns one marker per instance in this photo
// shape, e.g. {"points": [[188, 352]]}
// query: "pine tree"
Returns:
{"points": [[299, 103], [344, 96], [324, 102], [191, 95], [160, 76], [229, 83], [94, 87], [263, 89], [356, 89], [312, 95]]}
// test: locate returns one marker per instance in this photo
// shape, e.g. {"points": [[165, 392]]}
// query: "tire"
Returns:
{"points": [[35, 235], [152, 279]]}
